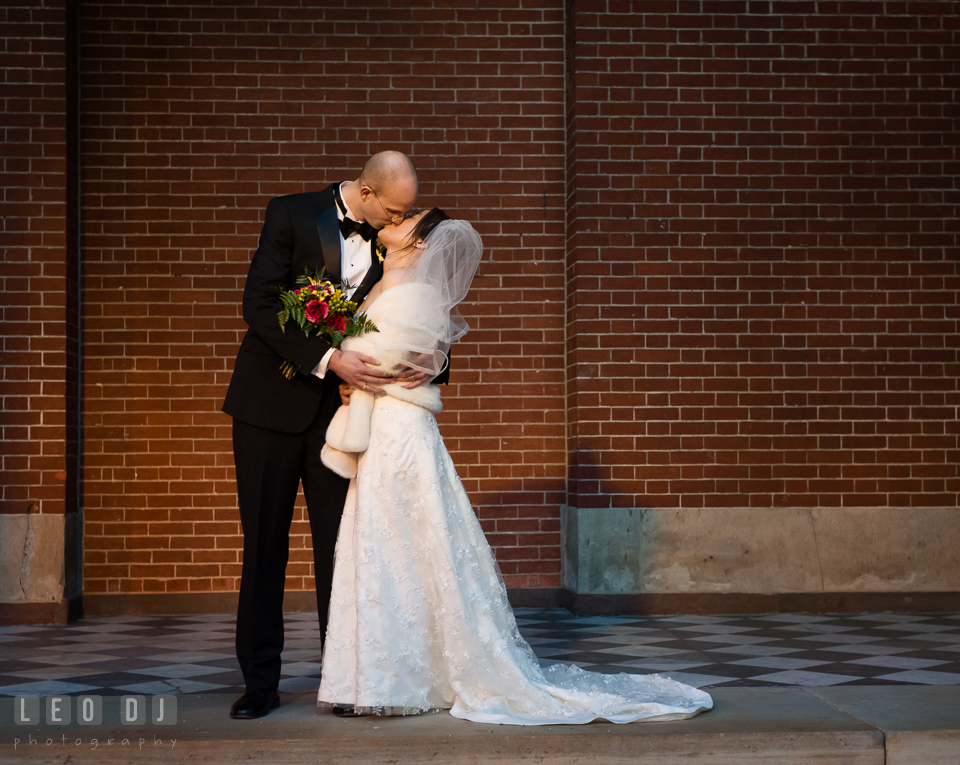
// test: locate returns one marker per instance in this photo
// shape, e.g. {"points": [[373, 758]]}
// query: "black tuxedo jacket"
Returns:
{"points": [[300, 233]]}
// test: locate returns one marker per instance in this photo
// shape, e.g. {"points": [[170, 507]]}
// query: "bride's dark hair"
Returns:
{"points": [[434, 217]]}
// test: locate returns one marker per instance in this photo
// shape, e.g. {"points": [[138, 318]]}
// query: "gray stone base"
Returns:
{"points": [[49, 612], [32, 567], [622, 561], [761, 551]]}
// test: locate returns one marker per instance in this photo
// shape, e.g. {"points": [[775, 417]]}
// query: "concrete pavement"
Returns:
{"points": [[852, 725]]}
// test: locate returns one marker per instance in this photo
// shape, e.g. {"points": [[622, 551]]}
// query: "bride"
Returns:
{"points": [[419, 617]]}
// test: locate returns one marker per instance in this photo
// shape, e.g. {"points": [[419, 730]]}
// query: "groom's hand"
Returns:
{"points": [[355, 370]]}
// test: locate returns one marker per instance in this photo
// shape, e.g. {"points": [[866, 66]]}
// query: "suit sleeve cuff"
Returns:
{"points": [[321, 369]]}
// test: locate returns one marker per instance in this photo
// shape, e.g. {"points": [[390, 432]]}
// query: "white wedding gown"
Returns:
{"points": [[419, 617]]}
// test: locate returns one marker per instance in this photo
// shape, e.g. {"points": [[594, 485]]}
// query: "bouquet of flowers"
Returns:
{"points": [[320, 308]]}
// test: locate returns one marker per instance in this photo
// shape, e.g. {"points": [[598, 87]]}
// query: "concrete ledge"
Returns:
{"points": [[747, 726], [921, 723], [857, 725]]}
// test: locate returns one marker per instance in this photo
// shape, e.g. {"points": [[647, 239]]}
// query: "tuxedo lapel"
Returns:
{"points": [[372, 277], [328, 228]]}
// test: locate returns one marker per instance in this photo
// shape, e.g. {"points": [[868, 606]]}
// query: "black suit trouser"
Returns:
{"points": [[270, 466]]}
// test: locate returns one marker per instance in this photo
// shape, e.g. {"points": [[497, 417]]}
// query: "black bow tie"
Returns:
{"points": [[349, 227]]}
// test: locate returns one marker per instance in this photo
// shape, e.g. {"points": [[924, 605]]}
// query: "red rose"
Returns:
{"points": [[337, 323], [313, 311]]}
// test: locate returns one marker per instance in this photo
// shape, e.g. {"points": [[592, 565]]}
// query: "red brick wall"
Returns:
{"points": [[32, 281], [195, 114], [753, 302], [763, 221]]}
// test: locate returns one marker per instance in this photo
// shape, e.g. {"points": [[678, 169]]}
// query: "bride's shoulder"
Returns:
{"points": [[397, 283]]}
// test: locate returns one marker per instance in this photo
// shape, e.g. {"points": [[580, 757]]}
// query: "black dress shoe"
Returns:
{"points": [[255, 703]]}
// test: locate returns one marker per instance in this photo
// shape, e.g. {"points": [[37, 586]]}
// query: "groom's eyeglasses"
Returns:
{"points": [[395, 218]]}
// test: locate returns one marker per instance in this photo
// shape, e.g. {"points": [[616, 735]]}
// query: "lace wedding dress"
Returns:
{"points": [[419, 617]]}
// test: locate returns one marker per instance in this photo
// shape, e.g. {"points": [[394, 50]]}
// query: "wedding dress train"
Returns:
{"points": [[419, 617]]}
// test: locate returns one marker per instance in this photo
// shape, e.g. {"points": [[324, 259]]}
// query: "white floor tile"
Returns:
{"points": [[68, 659], [697, 681], [44, 688], [650, 666], [717, 629], [172, 685], [700, 618], [838, 638], [300, 684], [919, 629], [897, 662], [640, 650], [549, 652], [869, 649], [733, 639], [817, 628], [16, 629], [179, 671], [55, 673], [778, 662], [297, 668], [193, 658], [607, 641], [118, 627], [792, 618], [800, 677], [924, 677], [753, 650], [299, 654], [934, 637]]}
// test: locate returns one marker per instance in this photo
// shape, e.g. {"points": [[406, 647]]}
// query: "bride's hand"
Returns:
{"points": [[413, 377], [356, 371], [345, 392]]}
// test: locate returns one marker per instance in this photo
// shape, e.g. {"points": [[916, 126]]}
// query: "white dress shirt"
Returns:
{"points": [[355, 261]]}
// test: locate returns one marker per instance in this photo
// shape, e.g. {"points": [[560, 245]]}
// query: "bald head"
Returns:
{"points": [[386, 189], [389, 169]]}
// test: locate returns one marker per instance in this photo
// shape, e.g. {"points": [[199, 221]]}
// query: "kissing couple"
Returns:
{"points": [[413, 611]]}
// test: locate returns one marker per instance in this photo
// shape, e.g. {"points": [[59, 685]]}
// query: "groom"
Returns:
{"points": [[279, 424]]}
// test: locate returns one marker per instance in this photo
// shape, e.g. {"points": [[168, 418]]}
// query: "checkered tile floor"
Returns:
{"points": [[194, 654]]}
